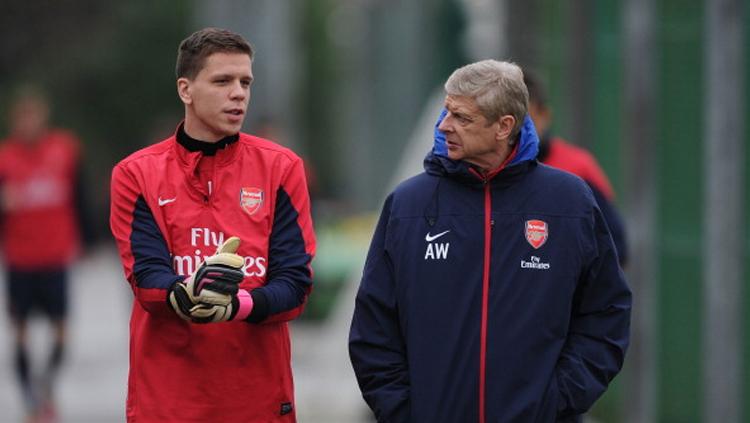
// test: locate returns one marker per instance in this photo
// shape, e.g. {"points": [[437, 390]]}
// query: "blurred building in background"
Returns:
{"points": [[355, 86]]}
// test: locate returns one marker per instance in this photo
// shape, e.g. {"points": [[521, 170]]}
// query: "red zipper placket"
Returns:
{"points": [[485, 298], [488, 223]]}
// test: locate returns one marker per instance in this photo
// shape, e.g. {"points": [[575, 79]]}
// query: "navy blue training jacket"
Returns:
{"points": [[495, 300]]}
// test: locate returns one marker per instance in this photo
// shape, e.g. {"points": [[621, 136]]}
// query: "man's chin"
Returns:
{"points": [[454, 155], [229, 130]]}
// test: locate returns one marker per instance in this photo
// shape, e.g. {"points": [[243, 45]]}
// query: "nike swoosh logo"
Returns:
{"points": [[430, 238], [165, 201]]}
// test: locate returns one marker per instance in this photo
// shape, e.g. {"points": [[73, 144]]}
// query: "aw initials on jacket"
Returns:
{"points": [[436, 250]]}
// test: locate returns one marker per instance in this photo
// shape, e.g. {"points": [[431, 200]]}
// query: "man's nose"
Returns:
{"points": [[444, 125], [238, 91]]}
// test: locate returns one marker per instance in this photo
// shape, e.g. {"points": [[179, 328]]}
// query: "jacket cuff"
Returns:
{"points": [[260, 307]]}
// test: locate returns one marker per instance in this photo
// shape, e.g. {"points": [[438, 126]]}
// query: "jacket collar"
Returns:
{"points": [[190, 150], [207, 148]]}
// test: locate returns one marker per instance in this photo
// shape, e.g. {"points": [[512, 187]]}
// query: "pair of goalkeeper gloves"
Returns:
{"points": [[212, 293]]}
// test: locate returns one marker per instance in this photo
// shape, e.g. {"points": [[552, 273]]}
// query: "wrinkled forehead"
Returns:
{"points": [[462, 104]]}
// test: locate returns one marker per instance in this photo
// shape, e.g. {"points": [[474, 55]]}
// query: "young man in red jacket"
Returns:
{"points": [[42, 204], [209, 335]]}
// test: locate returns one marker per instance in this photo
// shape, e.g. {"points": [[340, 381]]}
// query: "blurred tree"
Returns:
{"points": [[320, 80], [370, 69], [109, 69], [36, 31]]}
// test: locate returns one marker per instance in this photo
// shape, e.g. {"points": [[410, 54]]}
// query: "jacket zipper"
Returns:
{"points": [[485, 299], [208, 195], [489, 223]]}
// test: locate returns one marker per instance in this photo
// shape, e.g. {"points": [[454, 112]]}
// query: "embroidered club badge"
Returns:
{"points": [[536, 232], [251, 199]]}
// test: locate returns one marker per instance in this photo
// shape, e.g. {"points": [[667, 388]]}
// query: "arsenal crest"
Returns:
{"points": [[536, 232], [251, 199]]}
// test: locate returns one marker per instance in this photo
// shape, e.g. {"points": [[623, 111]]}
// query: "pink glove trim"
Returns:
{"points": [[246, 305]]}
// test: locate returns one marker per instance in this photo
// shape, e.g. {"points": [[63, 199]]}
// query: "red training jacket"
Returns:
{"points": [[40, 225], [171, 207], [578, 161]]}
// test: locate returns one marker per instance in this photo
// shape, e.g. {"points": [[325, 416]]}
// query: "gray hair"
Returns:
{"points": [[496, 86]]}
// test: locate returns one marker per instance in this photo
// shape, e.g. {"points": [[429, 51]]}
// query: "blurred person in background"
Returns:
{"points": [[43, 226], [492, 290], [209, 333], [556, 152], [269, 128]]}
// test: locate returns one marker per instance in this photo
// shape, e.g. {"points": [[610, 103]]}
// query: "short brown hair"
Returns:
{"points": [[193, 50]]}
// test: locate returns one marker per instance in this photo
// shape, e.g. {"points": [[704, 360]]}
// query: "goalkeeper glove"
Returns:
{"points": [[238, 309], [210, 294]]}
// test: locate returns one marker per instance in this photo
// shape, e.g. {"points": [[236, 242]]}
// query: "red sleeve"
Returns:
{"points": [[579, 161], [142, 247]]}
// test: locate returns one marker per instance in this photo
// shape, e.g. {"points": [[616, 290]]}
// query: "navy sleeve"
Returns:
{"points": [[143, 250], [289, 275], [599, 329], [152, 266], [376, 347]]}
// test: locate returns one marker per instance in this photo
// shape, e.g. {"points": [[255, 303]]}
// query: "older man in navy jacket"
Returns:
{"points": [[492, 290]]}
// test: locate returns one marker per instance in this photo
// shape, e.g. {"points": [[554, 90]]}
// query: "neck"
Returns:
{"points": [[194, 127], [194, 132], [29, 137], [207, 148], [495, 161]]}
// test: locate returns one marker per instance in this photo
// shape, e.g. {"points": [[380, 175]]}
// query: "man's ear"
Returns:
{"points": [[505, 127], [184, 90]]}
